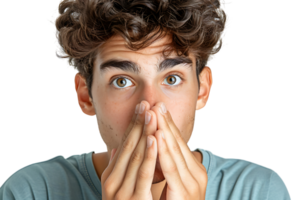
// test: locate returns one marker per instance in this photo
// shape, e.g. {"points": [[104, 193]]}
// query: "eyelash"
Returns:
{"points": [[131, 81]]}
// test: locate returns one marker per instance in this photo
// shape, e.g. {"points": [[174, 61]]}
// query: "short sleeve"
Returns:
{"points": [[17, 187], [6, 193], [277, 189]]}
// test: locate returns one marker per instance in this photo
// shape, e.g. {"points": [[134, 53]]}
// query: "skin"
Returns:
{"points": [[114, 115]]}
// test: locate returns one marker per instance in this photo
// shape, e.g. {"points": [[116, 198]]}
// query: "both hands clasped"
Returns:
{"points": [[130, 172]]}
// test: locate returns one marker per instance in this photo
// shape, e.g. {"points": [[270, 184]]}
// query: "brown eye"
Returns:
{"points": [[171, 79], [121, 82]]}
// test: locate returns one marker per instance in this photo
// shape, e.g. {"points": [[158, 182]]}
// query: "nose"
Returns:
{"points": [[150, 94]]}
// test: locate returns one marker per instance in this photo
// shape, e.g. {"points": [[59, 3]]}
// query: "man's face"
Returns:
{"points": [[116, 91]]}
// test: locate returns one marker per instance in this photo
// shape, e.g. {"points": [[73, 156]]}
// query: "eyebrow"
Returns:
{"points": [[130, 66]]}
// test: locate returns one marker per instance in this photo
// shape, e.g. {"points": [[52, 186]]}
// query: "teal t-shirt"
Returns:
{"points": [[75, 178]]}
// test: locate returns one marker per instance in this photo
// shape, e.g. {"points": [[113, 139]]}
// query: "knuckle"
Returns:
{"points": [[137, 157], [144, 174], [128, 145], [172, 168], [107, 187], [119, 196], [194, 188], [176, 149], [178, 138]]}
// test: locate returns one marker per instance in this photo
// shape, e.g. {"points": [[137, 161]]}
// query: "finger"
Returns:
{"points": [[146, 171], [168, 165], [174, 147], [138, 155], [132, 123], [190, 159], [166, 123], [171, 141], [129, 128], [122, 157]]}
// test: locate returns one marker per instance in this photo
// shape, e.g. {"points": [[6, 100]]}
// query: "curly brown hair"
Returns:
{"points": [[83, 25]]}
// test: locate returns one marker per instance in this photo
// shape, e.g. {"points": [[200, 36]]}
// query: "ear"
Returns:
{"points": [[84, 100], [205, 79]]}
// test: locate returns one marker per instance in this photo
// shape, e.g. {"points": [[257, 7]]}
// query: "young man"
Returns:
{"points": [[152, 88], [142, 73]]}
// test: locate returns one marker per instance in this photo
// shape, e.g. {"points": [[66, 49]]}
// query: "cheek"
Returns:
{"points": [[118, 96], [120, 120], [185, 124], [175, 94]]}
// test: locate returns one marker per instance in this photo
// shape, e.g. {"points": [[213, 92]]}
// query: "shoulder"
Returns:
{"points": [[277, 188], [25, 181], [37, 179]]}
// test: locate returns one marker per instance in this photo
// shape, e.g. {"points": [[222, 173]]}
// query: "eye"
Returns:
{"points": [[172, 80], [121, 81]]}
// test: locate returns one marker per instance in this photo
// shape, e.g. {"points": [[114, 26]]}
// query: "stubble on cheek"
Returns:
{"points": [[106, 132]]}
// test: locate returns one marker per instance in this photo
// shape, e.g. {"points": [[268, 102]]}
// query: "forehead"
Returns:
{"points": [[114, 54], [116, 45]]}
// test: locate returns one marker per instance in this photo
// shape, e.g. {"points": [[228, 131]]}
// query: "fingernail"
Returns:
{"points": [[163, 108], [147, 117], [149, 142], [142, 108], [162, 134]]}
